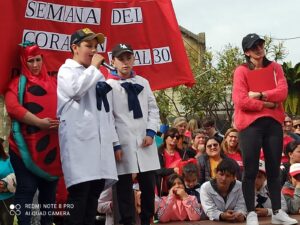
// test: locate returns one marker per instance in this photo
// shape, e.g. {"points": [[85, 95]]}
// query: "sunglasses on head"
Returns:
{"points": [[212, 145], [174, 136]]}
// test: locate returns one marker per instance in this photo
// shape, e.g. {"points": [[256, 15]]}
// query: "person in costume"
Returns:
{"points": [[33, 144], [259, 89], [86, 132], [136, 118]]}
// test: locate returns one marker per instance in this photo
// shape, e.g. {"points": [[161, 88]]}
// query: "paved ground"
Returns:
{"points": [[262, 221]]}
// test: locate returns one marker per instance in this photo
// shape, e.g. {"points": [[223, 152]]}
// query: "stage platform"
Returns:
{"points": [[262, 221]]}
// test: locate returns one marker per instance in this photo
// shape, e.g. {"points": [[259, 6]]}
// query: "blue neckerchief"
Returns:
{"points": [[133, 102], [102, 88]]}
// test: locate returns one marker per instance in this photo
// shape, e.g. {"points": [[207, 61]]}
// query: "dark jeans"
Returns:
{"points": [[265, 133], [125, 197], [82, 202], [27, 185]]}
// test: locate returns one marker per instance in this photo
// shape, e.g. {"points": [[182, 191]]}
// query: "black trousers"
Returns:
{"points": [[82, 202], [126, 201], [265, 133]]}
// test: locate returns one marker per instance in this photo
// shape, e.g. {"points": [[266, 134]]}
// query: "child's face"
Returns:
{"points": [[84, 52], [224, 179], [260, 180], [177, 183], [295, 155], [124, 64], [190, 181]]}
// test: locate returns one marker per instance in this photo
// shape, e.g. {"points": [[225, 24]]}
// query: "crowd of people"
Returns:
{"points": [[82, 142]]}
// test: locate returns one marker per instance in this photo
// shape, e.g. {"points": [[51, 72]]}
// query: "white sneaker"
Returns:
{"points": [[283, 218], [252, 218]]}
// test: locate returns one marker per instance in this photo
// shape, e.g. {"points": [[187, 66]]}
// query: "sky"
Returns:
{"points": [[228, 21]]}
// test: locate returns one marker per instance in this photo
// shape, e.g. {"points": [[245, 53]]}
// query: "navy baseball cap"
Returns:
{"points": [[249, 40], [119, 49]]}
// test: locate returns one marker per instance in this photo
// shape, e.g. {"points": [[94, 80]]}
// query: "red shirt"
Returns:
{"points": [[171, 159], [247, 110]]}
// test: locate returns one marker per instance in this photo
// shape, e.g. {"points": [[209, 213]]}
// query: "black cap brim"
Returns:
{"points": [[251, 43], [122, 52]]}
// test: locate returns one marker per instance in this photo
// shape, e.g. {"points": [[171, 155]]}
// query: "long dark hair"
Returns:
{"points": [[172, 178], [251, 66], [171, 131], [3, 154]]}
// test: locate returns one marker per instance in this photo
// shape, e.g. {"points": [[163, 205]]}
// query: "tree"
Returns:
{"points": [[292, 103]]}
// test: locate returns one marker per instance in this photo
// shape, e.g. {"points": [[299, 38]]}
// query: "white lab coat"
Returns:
{"points": [[86, 135], [132, 131]]}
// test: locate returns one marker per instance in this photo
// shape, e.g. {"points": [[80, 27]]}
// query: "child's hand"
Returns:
{"points": [[261, 211], [118, 155], [239, 217], [147, 141], [228, 216], [180, 192], [97, 60]]}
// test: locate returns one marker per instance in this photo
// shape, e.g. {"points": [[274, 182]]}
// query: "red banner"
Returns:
{"points": [[149, 26]]}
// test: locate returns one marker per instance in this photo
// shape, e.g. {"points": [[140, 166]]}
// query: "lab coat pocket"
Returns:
{"points": [[86, 128]]}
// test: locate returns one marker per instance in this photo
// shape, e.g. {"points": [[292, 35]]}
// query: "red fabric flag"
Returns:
{"points": [[149, 26]]}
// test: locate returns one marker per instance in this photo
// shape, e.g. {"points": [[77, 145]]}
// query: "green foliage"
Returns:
{"points": [[292, 103], [212, 91]]}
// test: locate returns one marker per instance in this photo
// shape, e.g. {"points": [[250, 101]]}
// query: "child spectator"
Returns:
{"points": [[222, 197], [105, 205], [178, 205], [292, 152], [291, 189], [190, 177], [263, 205], [136, 119]]}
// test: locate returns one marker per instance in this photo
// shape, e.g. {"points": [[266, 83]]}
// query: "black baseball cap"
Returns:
{"points": [[249, 40], [119, 49], [86, 34]]}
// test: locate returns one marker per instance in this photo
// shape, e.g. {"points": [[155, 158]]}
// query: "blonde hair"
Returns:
{"points": [[192, 125], [224, 144], [178, 121]]}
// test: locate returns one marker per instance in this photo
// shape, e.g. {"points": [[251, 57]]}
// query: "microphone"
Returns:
{"points": [[108, 66]]}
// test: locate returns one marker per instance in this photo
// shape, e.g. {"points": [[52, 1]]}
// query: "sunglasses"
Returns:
{"points": [[256, 45], [212, 145], [297, 126], [174, 136]]}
